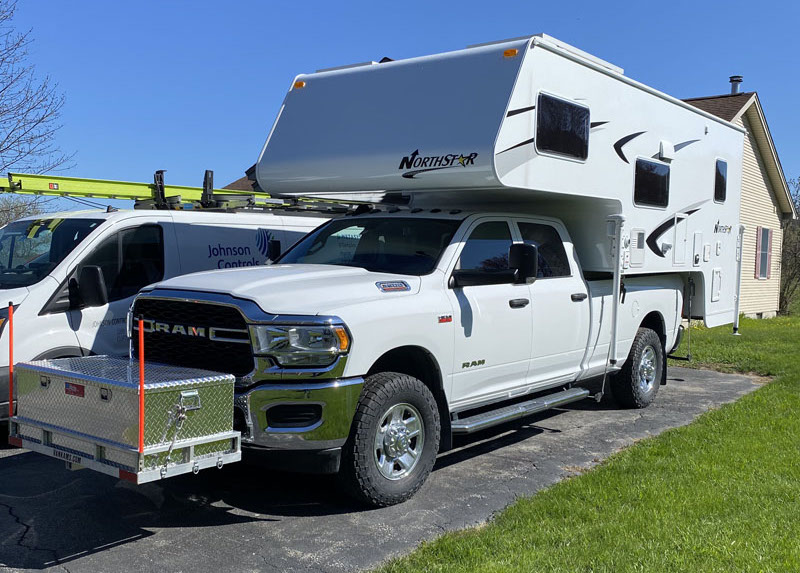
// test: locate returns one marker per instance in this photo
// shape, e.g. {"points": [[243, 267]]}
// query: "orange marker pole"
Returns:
{"points": [[10, 360], [141, 386]]}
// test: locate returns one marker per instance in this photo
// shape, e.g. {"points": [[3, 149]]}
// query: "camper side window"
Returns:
{"points": [[721, 181], [651, 183], [562, 127]]}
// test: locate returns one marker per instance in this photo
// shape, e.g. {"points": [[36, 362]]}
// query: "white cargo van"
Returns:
{"points": [[72, 276]]}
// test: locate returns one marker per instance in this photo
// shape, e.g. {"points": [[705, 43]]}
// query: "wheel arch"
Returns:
{"points": [[418, 362]]}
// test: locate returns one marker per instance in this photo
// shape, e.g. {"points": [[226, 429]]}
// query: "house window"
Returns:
{"points": [[651, 183], [721, 181], [562, 127], [763, 252]]}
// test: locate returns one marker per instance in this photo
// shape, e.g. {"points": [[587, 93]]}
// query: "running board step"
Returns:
{"points": [[520, 410]]}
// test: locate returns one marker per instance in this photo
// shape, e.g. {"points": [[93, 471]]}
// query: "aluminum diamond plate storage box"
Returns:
{"points": [[86, 412]]}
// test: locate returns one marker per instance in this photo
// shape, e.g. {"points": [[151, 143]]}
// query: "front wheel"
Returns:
{"points": [[393, 442], [636, 385]]}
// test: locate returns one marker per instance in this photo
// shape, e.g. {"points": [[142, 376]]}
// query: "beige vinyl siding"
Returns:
{"points": [[759, 209]]}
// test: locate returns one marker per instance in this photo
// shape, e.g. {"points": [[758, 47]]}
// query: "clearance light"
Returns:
{"points": [[510, 53], [299, 84]]}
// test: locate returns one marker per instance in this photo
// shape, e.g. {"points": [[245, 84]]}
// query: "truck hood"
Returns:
{"points": [[296, 289]]}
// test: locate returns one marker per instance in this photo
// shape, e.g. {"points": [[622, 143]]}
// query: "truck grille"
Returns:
{"points": [[194, 334]]}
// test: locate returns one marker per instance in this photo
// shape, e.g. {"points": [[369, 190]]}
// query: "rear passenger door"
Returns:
{"points": [[130, 259], [560, 305]]}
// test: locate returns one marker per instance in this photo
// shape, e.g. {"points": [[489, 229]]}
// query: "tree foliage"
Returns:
{"points": [[30, 109], [790, 258]]}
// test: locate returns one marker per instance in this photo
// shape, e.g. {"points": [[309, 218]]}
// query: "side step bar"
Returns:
{"points": [[520, 410]]}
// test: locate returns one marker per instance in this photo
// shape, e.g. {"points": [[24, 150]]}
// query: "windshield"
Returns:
{"points": [[409, 246], [29, 250]]}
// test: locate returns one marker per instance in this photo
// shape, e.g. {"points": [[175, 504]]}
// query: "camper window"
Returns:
{"points": [[651, 183], [721, 181], [562, 127]]}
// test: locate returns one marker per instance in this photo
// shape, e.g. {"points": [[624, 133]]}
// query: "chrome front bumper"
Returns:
{"points": [[338, 399]]}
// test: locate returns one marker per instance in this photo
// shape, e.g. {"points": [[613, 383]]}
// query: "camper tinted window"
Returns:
{"points": [[721, 181], [651, 185], [562, 127]]}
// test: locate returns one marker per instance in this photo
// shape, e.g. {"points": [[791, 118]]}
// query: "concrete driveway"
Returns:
{"points": [[249, 518]]}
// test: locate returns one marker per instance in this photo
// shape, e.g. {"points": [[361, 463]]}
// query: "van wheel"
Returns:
{"points": [[393, 441], [636, 385]]}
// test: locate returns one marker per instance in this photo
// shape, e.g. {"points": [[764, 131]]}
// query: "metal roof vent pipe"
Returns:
{"points": [[735, 83]]}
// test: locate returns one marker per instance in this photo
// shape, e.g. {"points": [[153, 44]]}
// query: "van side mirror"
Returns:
{"points": [[524, 258], [273, 249], [92, 287]]}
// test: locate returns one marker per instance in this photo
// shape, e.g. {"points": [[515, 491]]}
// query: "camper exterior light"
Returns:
{"points": [[510, 53]]}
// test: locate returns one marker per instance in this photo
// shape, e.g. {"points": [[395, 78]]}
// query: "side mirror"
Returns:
{"points": [[524, 258], [465, 278], [92, 287], [273, 249]]}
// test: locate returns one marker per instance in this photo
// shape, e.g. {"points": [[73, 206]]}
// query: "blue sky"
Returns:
{"points": [[188, 86]]}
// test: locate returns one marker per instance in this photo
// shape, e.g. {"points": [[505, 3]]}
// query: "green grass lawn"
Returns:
{"points": [[721, 494]]}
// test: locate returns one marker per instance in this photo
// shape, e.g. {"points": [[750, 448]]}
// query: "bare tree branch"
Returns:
{"points": [[30, 108]]}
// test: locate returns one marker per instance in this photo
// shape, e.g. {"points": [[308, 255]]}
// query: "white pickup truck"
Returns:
{"points": [[377, 335], [538, 220]]}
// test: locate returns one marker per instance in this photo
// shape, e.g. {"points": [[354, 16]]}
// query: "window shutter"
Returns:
{"points": [[758, 251], [769, 254]]}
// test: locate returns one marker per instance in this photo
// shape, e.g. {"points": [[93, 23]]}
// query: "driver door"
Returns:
{"points": [[492, 322]]}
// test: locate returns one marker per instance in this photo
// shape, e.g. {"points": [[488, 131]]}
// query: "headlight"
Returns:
{"points": [[315, 345]]}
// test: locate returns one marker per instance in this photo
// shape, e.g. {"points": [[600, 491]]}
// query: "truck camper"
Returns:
{"points": [[539, 221]]}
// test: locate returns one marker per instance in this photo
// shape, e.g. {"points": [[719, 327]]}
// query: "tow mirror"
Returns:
{"points": [[273, 249], [92, 287], [524, 258]]}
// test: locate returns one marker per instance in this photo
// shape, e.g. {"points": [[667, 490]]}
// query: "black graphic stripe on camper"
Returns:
{"points": [[518, 111], [618, 145], [520, 144]]}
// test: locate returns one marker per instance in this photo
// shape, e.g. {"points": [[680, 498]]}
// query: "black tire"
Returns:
{"points": [[366, 459], [636, 385]]}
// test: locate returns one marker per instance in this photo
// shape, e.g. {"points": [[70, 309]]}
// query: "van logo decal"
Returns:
{"points": [[263, 237], [473, 364], [434, 162]]}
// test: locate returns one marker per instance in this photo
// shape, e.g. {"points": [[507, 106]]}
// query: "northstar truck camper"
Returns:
{"points": [[540, 220]]}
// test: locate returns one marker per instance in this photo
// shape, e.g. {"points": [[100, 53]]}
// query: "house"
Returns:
{"points": [[766, 200]]}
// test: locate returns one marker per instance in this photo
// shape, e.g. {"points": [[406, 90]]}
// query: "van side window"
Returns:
{"points": [[130, 260], [562, 127], [651, 183], [487, 248], [721, 181], [552, 256]]}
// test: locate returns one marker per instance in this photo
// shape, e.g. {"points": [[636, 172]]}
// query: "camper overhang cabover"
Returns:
{"points": [[532, 124]]}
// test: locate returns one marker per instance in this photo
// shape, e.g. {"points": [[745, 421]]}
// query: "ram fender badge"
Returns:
{"points": [[392, 286]]}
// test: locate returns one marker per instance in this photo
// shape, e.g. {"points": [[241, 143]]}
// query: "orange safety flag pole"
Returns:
{"points": [[10, 359], [141, 385]]}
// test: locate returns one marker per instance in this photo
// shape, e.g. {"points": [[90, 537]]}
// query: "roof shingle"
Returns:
{"points": [[723, 106]]}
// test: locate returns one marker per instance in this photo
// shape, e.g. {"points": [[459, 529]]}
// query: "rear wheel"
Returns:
{"points": [[636, 385], [393, 442]]}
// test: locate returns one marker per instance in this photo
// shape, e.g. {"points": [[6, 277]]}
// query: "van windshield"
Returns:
{"points": [[29, 250], [403, 245]]}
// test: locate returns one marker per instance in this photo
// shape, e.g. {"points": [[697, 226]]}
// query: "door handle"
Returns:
{"points": [[578, 296], [518, 302]]}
